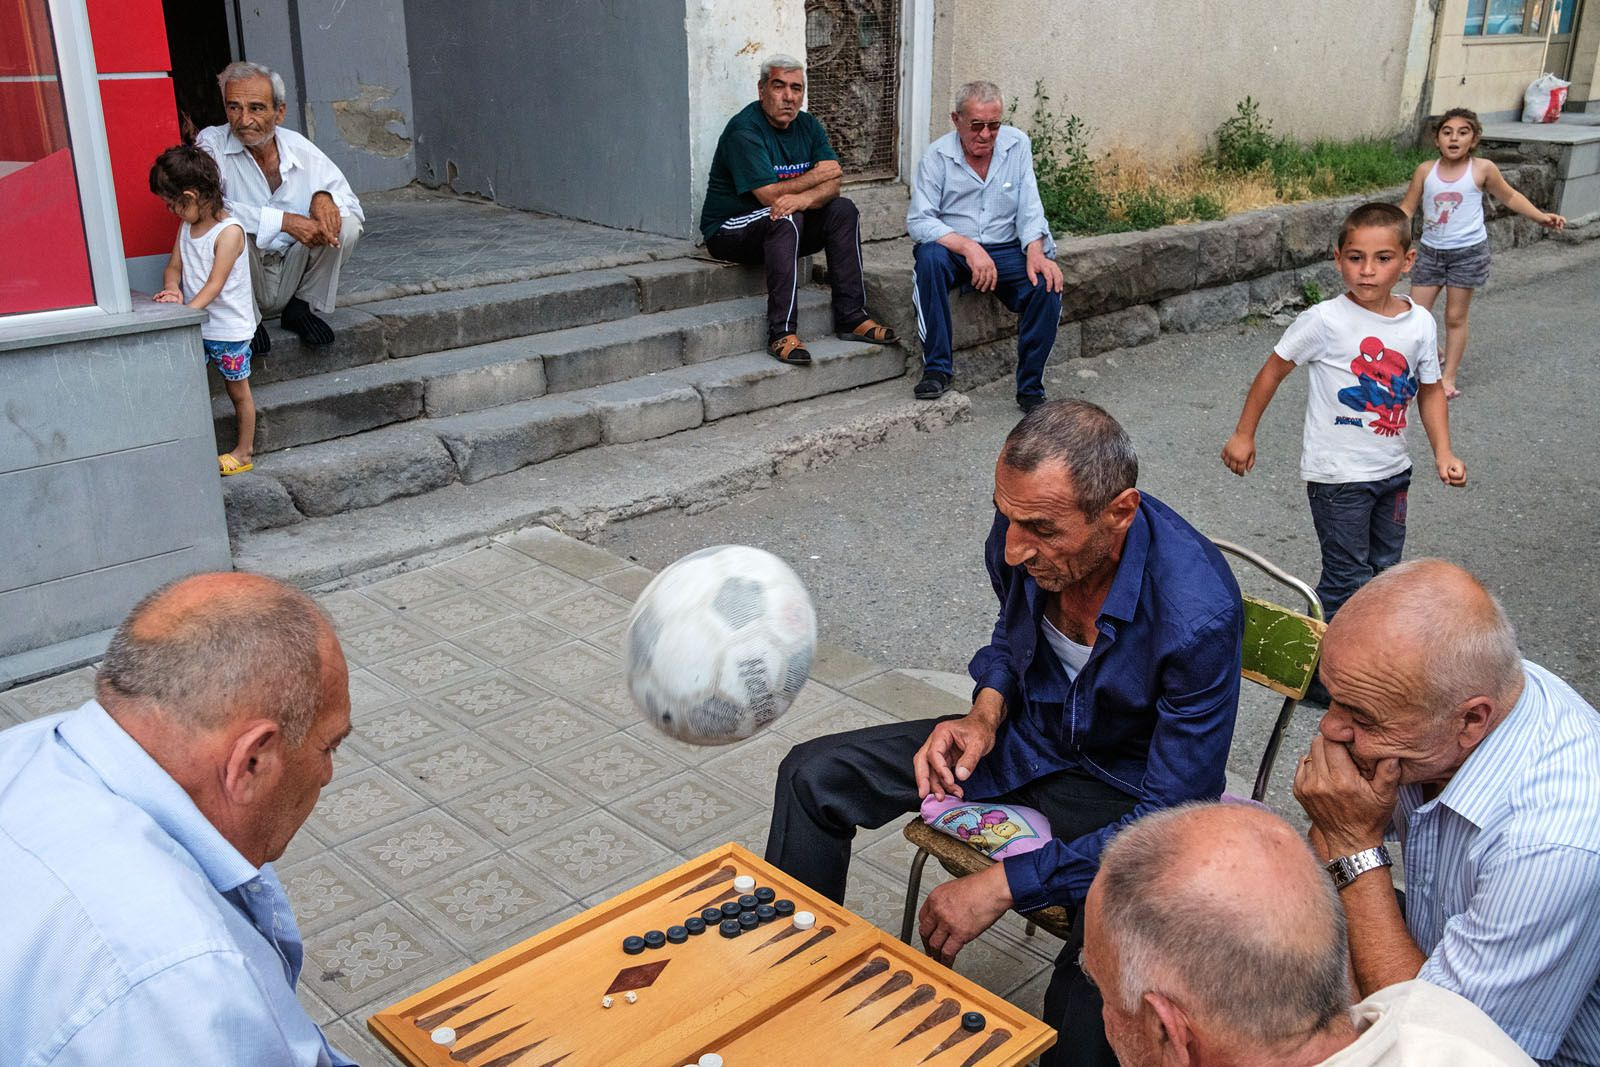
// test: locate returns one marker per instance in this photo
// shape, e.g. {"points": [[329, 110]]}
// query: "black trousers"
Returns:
{"points": [[780, 243], [863, 778]]}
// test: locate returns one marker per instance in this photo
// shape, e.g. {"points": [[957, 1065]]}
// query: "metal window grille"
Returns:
{"points": [[853, 81]]}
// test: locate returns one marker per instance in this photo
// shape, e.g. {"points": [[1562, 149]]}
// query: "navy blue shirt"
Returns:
{"points": [[1151, 713]]}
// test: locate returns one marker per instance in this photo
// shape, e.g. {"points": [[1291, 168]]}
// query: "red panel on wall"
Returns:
{"points": [[130, 36], [32, 122], [41, 215], [141, 122]]}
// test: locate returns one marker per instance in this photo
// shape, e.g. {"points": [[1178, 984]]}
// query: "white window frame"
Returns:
{"points": [[91, 161]]}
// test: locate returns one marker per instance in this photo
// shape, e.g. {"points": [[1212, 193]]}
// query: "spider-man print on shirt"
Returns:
{"points": [[1384, 386]]}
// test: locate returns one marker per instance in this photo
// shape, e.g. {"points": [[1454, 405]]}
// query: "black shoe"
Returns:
{"points": [[1316, 694], [1028, 403], [299, 318], [932, 386], [261, 343]]}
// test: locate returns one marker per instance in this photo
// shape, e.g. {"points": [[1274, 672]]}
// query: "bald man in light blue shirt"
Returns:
{"points": [[977, 221]]}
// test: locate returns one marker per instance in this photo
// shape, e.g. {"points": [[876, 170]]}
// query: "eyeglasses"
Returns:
{"points": [[978, 127]]}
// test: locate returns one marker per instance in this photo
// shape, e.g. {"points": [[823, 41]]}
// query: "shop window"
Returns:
{"points": [[41, 222], [1499, 18]]}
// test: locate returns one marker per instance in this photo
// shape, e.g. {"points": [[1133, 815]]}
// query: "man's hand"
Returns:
{"points": [[169, 296], [325, 213], [304, 229], [787, 205], [950, 754], [1349, 812], [1452, 471], [958, 911], [984, 274], [1239, 454], [1041, 264]]}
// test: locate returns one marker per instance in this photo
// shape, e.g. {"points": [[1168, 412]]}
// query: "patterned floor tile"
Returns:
{"points": [[752, 763], [845, 714], [546, 730], [385, 952], [358, 1044], [320, 1013], [61, 693], [368, 693], [535, 587], [512, 638], [613, 638], [415, 851], [485, 697], [454, 615], [567, 667], [610, 698], [429, 668], [585, 611], [349, 609], [555, 548], [399, 728], [413, 587], [814, 697], [688, 807], [384, 639], [612, 768], [325, 890], [369, 798], [627, 584], [9, 716], [751, 833], [595, 853], [484, 566], [487, 903], [525, 805], [452, 766]]}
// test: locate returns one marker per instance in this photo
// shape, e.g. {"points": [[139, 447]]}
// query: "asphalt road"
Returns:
{"points": [[890, 542]]}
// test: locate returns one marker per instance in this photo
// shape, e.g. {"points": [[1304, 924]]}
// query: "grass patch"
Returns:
{"points": [[1249, 167]]}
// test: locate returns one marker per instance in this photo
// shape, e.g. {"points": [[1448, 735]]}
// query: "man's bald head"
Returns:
{"points": [[1438, 628], [208, 649], [1223, 908]]}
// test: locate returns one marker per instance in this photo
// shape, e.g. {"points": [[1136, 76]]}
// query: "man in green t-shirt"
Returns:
{"points": [[773, 197]]}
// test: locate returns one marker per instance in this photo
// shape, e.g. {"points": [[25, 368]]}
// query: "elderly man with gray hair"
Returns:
{"points": [[300, 213], [977, 221], [1215, 939], [773, 197], [144, 922], [1483, 765]]}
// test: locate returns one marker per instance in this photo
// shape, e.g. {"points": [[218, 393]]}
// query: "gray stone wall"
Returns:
{"points": [[108, 475], [1125, 289], [575, 108]]}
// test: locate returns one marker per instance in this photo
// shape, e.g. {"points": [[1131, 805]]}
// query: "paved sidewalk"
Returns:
{"points": [[419, 241], [499, 780]]}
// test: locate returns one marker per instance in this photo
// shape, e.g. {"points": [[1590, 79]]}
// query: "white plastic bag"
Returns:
{"points": [[1542, 101]]}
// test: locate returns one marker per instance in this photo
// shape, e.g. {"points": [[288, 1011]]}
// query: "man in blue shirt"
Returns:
{"points": [[1108, 691], [1484, 766], [977, 220], [773, 197], [144, 923]]}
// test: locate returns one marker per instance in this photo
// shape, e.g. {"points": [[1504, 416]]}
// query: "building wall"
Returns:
{"points": [[1489, 74], [571, 107], [727, 40], [1160, 78]]}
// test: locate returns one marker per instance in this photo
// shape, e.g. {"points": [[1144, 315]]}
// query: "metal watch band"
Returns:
{"points": [[1346, 869]]}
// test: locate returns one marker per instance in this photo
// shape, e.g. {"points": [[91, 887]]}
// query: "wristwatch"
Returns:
{"points": [[1346, 869]]}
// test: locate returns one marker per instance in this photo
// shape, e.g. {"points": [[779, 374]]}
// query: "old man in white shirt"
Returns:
{"points": [[301, 214]]}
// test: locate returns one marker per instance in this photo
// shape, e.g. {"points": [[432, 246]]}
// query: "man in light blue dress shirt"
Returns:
{"points": [[977, 221], [1485, 767], [144, 923]]}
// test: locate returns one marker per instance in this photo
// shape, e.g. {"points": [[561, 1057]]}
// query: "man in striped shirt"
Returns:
{"points": [[1487, 768]]}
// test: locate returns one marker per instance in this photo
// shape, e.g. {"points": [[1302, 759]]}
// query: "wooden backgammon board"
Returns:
{"points": [[803, 983]]}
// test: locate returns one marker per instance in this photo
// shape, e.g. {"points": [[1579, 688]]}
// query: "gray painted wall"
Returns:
{"points": [[108, 472], [575, 108]]}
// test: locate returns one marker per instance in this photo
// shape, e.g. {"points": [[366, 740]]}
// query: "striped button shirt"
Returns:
{"points": [[947, 195], [1503, 874]]}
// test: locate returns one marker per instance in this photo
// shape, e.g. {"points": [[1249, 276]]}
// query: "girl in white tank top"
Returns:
{"points": [[209, 269], [1455, 242]]}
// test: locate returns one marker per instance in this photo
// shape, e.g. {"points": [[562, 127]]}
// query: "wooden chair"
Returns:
{"points": [[1280, 652]]}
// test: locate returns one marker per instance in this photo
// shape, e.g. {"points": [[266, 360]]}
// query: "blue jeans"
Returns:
{"points": [[1361, 527], [938, 270]]}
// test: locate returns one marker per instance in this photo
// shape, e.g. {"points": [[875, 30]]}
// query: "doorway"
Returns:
{"points": [[853, 82], [197, 40]]}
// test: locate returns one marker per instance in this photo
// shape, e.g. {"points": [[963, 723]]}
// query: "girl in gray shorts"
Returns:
{"points": [[1454, 252]]}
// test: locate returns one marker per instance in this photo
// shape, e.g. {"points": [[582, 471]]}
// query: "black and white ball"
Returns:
{"points": [[719, 644]]}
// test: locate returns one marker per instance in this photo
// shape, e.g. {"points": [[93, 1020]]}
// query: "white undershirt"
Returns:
{"points": [[1071, 654]]}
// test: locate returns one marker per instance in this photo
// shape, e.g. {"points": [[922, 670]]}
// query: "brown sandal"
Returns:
{"points": [[788, 349], [870, 332]]}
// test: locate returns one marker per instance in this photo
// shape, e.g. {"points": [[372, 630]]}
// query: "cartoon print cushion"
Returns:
{"points": [[997, 830]]}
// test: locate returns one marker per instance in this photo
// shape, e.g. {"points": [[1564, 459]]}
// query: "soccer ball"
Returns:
{"points": [[719, 644]]}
